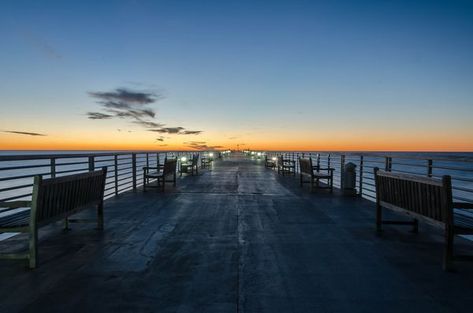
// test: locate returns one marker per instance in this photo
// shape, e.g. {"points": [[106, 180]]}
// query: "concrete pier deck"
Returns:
{"points": [[237, 238]]}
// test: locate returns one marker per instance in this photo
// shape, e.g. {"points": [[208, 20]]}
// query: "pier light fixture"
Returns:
{"points": [[273, 158], [211, 154], [258, 154], [183, 159]]}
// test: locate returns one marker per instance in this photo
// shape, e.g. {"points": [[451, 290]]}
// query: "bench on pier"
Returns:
{"points": [[269, 163], [286, 166], [160, 174], [53, 199], [428, 199], [315, 174], [191, 165], [206, 162]]}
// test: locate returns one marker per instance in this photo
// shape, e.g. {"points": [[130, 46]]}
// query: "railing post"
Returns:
{"points": [[429, 167], [157, 160], [91, 163], [361, 177], [147, 159], [328, 160], [116, 174], [388, 164], [342, 170], [318, 161], [133, 164], [53, 167]]}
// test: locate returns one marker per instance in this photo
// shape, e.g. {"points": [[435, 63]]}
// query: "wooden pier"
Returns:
{"points": [[236, 238]]}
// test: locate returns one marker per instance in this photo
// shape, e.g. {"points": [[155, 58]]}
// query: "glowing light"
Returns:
{"points": [[211, 154], [273, 158], [183, 159]]}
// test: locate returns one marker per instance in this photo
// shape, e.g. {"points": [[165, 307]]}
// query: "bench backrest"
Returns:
{"points": [[306, 166], [280, 160], [428, 197], [57, 197], [170, 167]]}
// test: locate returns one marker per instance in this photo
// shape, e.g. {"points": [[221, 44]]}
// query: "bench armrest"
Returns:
{"points": [[462, 205], [331, 169], [15, 204]]}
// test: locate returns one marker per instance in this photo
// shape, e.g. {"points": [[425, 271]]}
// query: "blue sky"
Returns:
{"points": [[244, 69]]}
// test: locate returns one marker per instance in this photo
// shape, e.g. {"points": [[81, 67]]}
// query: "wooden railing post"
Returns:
{"points": [[116, 173], [342, 170], [91, 163], [133, 164], [388, 164], [318, 160], [53, 167], [429, 168], [328, 160], [361, 177]]}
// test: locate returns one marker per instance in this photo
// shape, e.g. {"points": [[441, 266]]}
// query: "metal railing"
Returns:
{"points": [[458, 166], [124, 169]]}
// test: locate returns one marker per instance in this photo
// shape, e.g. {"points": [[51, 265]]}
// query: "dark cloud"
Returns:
{"points": [[192, 132], [201, 145], [175, 131], [124, 97], [23, 133], [160, 138], [123, 103], [98, 116], [148, 124]]}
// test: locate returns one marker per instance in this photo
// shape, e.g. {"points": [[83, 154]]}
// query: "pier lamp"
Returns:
{"points": [[211, 155], [183, 159], [274, 158]]}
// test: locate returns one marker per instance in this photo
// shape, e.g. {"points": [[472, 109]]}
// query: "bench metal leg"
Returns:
{"points": [[33, 246], [379, 218], [448, 256]]}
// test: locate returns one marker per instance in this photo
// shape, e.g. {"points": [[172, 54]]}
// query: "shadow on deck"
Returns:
{"points": [[238, 238]]}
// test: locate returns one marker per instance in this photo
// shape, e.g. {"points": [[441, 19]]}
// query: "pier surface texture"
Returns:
{"points": [[236, 238]]}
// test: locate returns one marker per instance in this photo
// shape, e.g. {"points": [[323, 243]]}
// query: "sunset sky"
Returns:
{"points": [[269, 75]]}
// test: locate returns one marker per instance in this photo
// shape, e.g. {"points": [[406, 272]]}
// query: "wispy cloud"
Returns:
{"points": [[175, 131], [200, 145], [23, 133], [42, 45], [98, 116]]}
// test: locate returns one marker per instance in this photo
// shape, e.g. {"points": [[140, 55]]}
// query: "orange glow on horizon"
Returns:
{"points": [[332, 142]]}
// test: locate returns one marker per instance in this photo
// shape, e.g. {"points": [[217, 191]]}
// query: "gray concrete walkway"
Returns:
{"points": [[238, 238]]}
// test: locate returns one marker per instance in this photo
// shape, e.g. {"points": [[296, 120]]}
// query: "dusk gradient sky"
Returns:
{"points": [[279, 75]]}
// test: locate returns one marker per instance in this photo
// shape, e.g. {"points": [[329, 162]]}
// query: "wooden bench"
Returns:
{"points": [[192, 166], [286, 166], [315, 174], [169, 169], [53, 199], [205, 162], [425, 198], [269, 163]]}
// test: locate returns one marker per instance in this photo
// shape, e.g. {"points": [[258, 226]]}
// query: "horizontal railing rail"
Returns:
{"points": [[458, 166], [124, 169]]}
